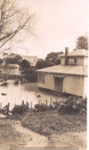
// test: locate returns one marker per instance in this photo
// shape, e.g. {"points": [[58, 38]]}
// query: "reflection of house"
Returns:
{"points": [[71, 76], [31, 59]]}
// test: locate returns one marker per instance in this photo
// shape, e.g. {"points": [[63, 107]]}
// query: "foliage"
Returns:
{"points": [[54, 57], [43, 63], [29, 74], [73, 105], [25, 64], [13, 59], [57, 61], [49, 122], [40, 107], [82, 42], [19, 109], [1, 61]]}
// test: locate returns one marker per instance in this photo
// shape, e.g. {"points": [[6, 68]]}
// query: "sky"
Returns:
{"points": [[58, 23]]}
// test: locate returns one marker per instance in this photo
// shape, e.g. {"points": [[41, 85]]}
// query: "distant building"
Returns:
{"points": [[10, 70], [31, 59], [71, 76], [13, 69]]}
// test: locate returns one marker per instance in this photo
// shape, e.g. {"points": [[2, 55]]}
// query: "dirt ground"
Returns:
{"points": [[72, 140], [14, 135]]}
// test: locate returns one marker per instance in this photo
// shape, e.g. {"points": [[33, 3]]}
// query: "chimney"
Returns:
{"points": [[66, 53]]}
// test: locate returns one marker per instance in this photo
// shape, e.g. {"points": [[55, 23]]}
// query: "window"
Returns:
{"points": [[41, 78], [72, 61], [75, 60]]}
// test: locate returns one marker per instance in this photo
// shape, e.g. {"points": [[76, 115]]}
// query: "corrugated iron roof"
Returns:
{"points": [[68, 69]]}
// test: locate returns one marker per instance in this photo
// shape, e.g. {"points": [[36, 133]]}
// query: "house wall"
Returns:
{"points": [[58, 84], [62, 61], [73, 85], [48, 83], [86, 61], [80, 60], [13, 70], [85, 94]]}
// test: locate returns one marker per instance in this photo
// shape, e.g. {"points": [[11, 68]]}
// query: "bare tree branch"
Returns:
{"points": [[12, 21]]}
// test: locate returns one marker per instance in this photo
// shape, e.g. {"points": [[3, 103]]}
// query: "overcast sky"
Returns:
{"points": [[58, 24]]}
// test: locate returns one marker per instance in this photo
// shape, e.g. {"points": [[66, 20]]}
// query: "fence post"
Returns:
{"points": [[22, 102], [27, 104], [0, 105], [46, 103], [8, 105], [50, 101], [39, 102]]}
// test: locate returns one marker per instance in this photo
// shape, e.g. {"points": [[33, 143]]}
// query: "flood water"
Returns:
{"points": [[27, 92]]}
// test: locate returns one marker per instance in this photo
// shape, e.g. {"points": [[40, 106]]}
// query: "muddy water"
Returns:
{"points": [[27, 92]]}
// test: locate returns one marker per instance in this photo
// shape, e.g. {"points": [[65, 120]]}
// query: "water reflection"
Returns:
{"points": [[15, 94]]}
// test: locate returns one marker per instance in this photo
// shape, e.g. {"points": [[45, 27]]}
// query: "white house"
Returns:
{"points": [[13, 69], [31, 59], [71, 76]]}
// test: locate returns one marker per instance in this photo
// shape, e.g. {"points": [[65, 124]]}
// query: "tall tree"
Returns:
{"points": [[13, 59], [54, 57], [25, 64], [44, 63], [1, 61], [82, 42], [13, 19]]}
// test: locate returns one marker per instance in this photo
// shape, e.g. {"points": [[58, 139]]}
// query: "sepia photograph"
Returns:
{"points": [[43, 74]]}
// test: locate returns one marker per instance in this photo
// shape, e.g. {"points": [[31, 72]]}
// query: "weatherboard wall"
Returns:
{"points": [[74, 85], [85, 93], [71, 84], [48, 82]]}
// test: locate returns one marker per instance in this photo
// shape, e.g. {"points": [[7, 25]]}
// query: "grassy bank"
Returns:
{"points": [[49, 122]]}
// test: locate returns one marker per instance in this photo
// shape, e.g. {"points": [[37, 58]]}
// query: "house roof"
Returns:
{"points": [[29, 57], [62, 69], [13, 65], [79, 52]]}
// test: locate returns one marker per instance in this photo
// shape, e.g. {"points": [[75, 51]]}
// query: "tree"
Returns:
{"points": [[29, 74], [43, 63], [25, 64], [54, 57], [13, 59], [12, 20], [1, 61], [82, 42]]}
